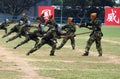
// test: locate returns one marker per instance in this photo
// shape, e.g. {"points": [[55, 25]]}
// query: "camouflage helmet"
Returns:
{"points": [[70, 20], [93, 16]]}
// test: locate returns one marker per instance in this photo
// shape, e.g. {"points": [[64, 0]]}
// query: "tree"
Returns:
{"points": [[85, 2], [56, 2], [102, 2], [15, 7]]}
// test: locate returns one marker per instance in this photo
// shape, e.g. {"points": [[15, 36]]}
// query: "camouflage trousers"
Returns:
{"points": [[97, 41], [3, 27], [50, 42], [10, 32], [64, 42], [27, 39]]}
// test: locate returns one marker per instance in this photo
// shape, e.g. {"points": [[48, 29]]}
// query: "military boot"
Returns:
{"points": [[85, 54], [100, 55], [52, 53]]}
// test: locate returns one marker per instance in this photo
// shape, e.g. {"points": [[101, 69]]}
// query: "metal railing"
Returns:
{"points": [[57, 19]]}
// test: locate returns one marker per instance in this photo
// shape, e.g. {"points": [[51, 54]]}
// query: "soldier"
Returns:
{"points": [[70, 30], [31, 36], [41, 21], [23, 31], [16, 28], [37, 33], [50, 23], [48, 38], [95, 36], [24, 18], [4, 25]]}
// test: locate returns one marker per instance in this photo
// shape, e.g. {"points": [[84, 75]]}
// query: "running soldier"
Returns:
{"points": [[70, 30], [16, 28], [95, 36]]}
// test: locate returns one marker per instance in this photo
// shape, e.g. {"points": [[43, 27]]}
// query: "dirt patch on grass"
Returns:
{"points": [[111, 58], [21, 65]]}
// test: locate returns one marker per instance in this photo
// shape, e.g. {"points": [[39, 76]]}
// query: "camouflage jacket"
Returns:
{"points": [[41, 19], [69, 28], [95, 25], [24, 19], [51, 22], [4, 24], [50, 35]]}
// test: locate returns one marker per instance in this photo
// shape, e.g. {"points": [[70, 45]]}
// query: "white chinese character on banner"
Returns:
{"points": [[112, 17], [46, 12]]}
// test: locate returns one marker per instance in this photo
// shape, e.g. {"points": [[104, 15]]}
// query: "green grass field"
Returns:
{"points": [[68, 63]]}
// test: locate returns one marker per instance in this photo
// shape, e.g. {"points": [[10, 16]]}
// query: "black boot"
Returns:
{"points": [[28, 54], [7, 41], [52, 55], [31, 51], [100, 55], [85, 54], [14, 47]]}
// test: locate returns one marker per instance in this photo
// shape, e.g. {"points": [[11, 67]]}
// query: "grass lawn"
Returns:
{"points": [[68, 63]]}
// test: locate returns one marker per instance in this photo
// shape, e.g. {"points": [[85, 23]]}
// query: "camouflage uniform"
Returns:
{"points": [[48, 38], [70, 30], [95, 36], [31, 36], [23, 31], [24, 19], [51, 23], [41, 21], [17, 27], [34, 35], [3, 27]]}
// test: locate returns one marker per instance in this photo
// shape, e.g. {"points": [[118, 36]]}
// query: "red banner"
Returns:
{"points": [[47, 10], [112, 16]]}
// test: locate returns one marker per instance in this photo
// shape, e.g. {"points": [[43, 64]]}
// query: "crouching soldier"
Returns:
{"points": [[48, 38], [31, 36], [4, 25], [95, 36], [23, 31], [17, 27]]}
